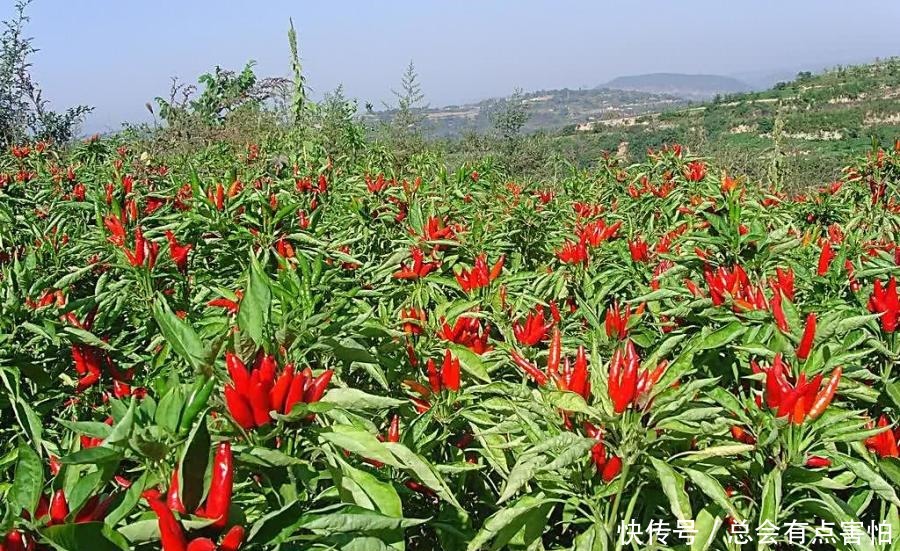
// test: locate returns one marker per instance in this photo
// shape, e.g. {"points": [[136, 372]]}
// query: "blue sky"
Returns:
{"points": [[117, 56]]}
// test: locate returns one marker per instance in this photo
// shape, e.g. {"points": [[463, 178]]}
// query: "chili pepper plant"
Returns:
{"points": [[292, 348]]}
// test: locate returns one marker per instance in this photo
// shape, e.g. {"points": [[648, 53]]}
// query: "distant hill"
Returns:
{"points": [[547, 109], [817, 120], [680, 85]]}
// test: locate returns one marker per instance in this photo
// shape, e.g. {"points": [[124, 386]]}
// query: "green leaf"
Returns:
{"points": [[92, 456], [269, 458], [278, 525], [711, 487], [673, 486], [853, 322], [86, 337], [253, 312], [707, 525], [890, 466], [722, 336], [129, 502], [87, 536], [192, 465], [180, 335], [470, 362], [879, 485], [355, 519], [893, 391], [512, 515], [354, 399], [568, 401], [360, 442], [771, 498], [28, 480], [168, 411], [121, 432], [716, 451], [380, 493], [424, 471]]}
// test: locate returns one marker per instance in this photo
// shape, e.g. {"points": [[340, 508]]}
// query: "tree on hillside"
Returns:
{"points": [[24, 113], [404, 132], [509, 119]]}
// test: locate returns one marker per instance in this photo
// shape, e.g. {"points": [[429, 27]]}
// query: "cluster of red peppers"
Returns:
{"points": [[885, 301], [627, 384], [724, 282], [90, 362], [447, 377], [609, 466], [639, 250], [694, 171], [591, 234], [534, 330], [884, 444], [145, 251], [467, 331], [216, 507], [479, 275], [419, 267], [573, 377], [617, 319], [53, 511], [573, 252], [806, 399], [252, 395]]}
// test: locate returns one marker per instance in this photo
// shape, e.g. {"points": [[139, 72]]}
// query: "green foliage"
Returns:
{"points": [[223, 93], [304, 254], [24, 113], [298, 100]]}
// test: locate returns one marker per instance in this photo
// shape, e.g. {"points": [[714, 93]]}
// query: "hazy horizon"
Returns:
{"points": [[118, 56]]}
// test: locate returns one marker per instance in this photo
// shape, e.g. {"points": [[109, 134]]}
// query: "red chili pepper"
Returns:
{"points": [[170, 531], [94, 509], [809, 334], [220, 488], [201, 544], [883, 444], [434, 378], [824, 398], [267, 366], [317, 389], [59, 507], [741, 435], [295, 393], [554, 311], [233, 539], [279, 392], [15, 541], [450, 372], [528, 367], [579, 380], [825, 257], [612, 469], [259, 400], [420, 488], [393, 434], [628, 386], [554, 352], [239, 374], [817, 462], [173, 497], [239, 408]]}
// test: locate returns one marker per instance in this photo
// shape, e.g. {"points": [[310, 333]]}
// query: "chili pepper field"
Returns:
{"points": [[277, 348]]}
